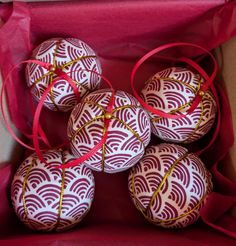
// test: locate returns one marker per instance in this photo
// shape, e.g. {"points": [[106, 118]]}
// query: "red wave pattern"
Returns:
{"points": [[63, 51], [169, 90], [128, 135], [184, 192], [43, 192]]}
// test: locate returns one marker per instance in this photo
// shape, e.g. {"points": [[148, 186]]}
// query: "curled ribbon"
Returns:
{"points": [[202, 90], [95, 148], [8, 126], [37, 129], [204, 87], [59, 73]]}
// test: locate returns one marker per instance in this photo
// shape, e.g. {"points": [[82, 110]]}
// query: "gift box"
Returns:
{"points": [[121, 32]]}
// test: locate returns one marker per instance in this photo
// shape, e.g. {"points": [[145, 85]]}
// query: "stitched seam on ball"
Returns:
{"points": [[78, 83], [164, 180], [103, 150], [115, 109], [144, 212], [179, 217], [61, 192], [198, 124], [195, 91], [129, 128], [51, 75], [86, 124], [156, 119], [23, 191], [76, 60], [104, 129], [185, 214], [61, 67], [39, 79], [51, 93], [102, 116], [89, 122], [202, 113]]}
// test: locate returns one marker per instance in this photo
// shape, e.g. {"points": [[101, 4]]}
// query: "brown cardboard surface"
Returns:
{"points": [[9, 150], [229, 76], [228, 63]]}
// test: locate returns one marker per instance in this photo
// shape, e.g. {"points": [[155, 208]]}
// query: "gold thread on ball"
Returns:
{"points": [[107, 115], [193, 134], [63, 173], [144, 212], [196, 91], [24, 188]]}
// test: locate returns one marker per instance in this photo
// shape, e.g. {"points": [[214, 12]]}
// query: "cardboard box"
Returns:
{"points": [[109, 223]]}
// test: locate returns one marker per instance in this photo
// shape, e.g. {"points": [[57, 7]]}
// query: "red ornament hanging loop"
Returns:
{"points": [[37, 129], [208, 79], [39, 109]]}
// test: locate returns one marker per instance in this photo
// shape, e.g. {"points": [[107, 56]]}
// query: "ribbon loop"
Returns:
{"points": [[7, 124], [208, 79], [38, 113], [37, 129], [103, 140]]}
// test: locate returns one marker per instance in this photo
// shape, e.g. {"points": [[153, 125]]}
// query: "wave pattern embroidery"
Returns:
{"points": [[48, 198], [172, 91], [128, 134], [169, 186], [72, 56]]}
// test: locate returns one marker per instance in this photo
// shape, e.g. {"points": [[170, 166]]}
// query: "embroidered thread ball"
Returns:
{"points": [[169, 186], [71, 56], [172, 91], [48, 198], [128, 134]]}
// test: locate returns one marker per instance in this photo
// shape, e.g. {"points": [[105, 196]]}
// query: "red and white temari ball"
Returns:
{"points": [[172, 91], [128, 134], [169, 186], [48, 198], [71, 56]]}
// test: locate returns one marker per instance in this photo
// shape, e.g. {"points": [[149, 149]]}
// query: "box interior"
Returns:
{"points": [[120, 33]]}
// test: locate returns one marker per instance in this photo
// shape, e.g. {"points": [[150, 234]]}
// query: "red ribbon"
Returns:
{"points": [[103, 140], [37, 129], [204, 87], [63, 75], [59, 73], [8, 125]]}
